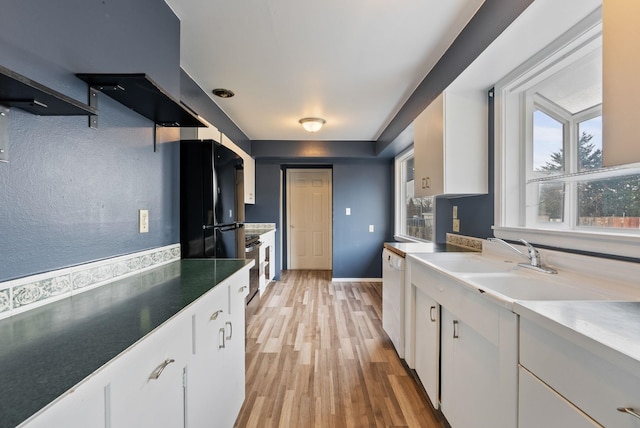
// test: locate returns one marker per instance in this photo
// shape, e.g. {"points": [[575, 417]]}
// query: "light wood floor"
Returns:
{"points": [[317, 356]]}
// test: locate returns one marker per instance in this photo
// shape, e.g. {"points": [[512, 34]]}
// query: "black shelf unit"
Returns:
{"points": [[25, 94], [141, 94]]}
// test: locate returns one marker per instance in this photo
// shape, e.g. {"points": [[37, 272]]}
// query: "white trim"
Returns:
{"points": [[356, 279], [510, 154], [617, 244]]}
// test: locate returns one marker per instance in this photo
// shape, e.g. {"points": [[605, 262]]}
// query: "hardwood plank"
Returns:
{"points": [[317, 356]]}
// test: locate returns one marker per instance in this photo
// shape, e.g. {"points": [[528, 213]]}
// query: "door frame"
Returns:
{"points": [[285, 206]]}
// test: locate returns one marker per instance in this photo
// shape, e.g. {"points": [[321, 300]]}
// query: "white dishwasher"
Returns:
{"points": [[393, 298]]}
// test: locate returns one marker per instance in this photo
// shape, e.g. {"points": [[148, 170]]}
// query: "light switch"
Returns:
{"points": [[143, 221], [348, 211], [371, 228]]}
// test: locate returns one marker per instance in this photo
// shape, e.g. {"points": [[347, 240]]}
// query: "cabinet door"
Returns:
{"points": [[235, 345], [429, 150], [620, 65], [81, 408], [146, 389], [427, 342], [205, 391], [469, 376], [540, 406]]}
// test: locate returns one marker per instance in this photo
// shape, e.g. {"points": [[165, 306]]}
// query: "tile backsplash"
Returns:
{"points": [[465, 241], [30, 292]]}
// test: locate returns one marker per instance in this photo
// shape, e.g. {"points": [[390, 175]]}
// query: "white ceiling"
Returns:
{"points": [[353, 63]]}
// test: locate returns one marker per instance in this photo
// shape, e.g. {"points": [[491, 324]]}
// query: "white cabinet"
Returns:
{"points": [[215, 387], [249, 165], [86, 403], [206, 365], [427, 344], [469, 371], [620, 92], [541, 406], [594, 380], [450, 146], [146, 386], [478, 343], [188, 372]]}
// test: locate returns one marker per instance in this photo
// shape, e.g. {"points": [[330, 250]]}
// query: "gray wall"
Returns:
{"points": [[70, 194], [365, 186]]}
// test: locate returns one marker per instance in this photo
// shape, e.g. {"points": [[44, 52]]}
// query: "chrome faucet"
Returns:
{"points": [[532, 254]]}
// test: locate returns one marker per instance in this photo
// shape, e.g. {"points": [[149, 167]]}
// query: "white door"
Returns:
{"points": [[309, 218]]}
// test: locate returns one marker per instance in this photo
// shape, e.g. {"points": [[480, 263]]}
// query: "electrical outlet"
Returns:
{"points": [[143, 221], [456, 225], [371, 228], [348, 211], [455, 211]]}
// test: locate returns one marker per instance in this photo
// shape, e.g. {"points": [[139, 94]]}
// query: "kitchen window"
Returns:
{"points": [[550, 185], [414, 216]]}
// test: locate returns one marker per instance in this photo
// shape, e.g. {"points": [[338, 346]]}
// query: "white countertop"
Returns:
{"points": [[595, 302], [610, 326]]}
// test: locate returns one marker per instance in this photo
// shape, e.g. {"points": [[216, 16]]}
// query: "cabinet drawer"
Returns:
{"points": [[467, 305], [541, 406], [592, 383]]}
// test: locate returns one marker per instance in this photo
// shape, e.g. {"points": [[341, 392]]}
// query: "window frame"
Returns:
{"points": [[513, 125], [400, 210]]}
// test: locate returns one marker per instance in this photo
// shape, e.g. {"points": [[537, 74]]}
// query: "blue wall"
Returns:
{"points": [[365, 186], [71, 194]]}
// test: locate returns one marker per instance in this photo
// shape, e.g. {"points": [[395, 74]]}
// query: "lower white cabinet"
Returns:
{"points": [[189, 372], [541, 406], [469, 371], [427, 345], [597, 382], [86, 404], [466, 351], [204, 386], [146, 386]]}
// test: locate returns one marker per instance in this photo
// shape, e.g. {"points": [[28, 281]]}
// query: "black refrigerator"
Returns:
{"points": [[211, 200]]}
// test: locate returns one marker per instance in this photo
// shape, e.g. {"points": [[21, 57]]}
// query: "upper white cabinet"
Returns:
{"points": [[621, 64], [450, 146], [249, 170]]}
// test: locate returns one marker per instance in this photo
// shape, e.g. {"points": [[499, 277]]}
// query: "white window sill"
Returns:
{"points": [[615, 243]]}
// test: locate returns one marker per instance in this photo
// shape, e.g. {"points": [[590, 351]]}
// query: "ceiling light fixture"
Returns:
{"points": [[223, 93], [312, 124]]}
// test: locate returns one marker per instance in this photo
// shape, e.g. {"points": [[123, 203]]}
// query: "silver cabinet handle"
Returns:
{"points": [[456, 327], [432, 313], [228, 323], [241, 289], [221, 334], [214, 316], [629, 410], [155, 374]]}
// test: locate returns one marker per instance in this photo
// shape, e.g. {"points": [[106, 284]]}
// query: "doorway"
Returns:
{"points": [[309, 220]]}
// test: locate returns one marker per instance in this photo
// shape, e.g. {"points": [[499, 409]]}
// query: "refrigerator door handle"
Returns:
{"points": [[223, 227]]}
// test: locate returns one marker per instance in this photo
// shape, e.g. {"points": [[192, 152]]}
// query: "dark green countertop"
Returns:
{"points": [[46, 351]]}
